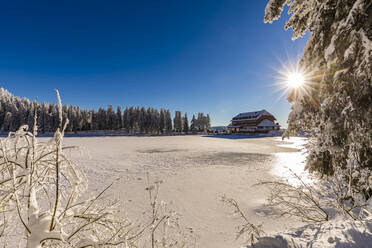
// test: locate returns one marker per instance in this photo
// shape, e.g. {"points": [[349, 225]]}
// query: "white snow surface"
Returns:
{"points": [[196, 171], [338, 233]]}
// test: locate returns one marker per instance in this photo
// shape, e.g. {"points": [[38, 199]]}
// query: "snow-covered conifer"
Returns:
{"points": [[162, 120], [119, 118], [169, 125], [185, 124], [193, 124], [208, 122], [177, 121], [336, 100]]}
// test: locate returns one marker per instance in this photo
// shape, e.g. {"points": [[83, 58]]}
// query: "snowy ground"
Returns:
{"points": [[196, 171]]}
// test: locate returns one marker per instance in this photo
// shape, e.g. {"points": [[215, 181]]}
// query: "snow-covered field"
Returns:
{"points": [[197, 171]]}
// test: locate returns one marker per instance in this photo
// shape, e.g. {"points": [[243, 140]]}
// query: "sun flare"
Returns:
{"points": [[295, 80]]}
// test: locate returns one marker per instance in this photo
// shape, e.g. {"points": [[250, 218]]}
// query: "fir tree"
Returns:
{"points": [[193, 127], [208, 122], [336, 100], [169, 126], [185, 124], [177, 122], [119, 118], [126, 120], [143, 122], [111, 118], [162, 121]]}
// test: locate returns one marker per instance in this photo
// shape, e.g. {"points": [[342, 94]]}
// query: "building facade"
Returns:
{"points": [[253, 122]]}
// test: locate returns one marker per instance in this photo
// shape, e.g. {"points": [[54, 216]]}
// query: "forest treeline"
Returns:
{"points": [[16, 111]]}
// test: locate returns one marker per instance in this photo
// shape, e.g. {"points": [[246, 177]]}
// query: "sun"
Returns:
{"points": [[295, 79]]}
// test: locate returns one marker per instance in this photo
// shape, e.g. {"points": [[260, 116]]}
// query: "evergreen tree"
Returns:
{"points": [[143, 122], [169, 126], [162, 121], [136, 120], [126, 120], [132, 119], [155, 121], [336, 100], [193, 126], [185, 124], [79, 121], [119, 118], [208, 122], [111, 118], [177, 122], [201, 123], [101, 119]]}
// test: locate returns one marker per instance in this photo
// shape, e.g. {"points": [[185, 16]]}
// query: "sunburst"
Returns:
{"points": [[295, 80]]}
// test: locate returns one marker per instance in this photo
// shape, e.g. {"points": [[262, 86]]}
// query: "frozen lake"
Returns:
{"points": [[197, 171]]}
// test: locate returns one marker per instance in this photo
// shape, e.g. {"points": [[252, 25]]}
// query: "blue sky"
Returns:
{"points": [[211, 56]]}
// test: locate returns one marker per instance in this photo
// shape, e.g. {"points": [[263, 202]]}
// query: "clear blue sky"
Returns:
{"points": [[212, 56]]}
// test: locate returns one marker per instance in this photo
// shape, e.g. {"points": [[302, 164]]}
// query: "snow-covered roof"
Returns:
{"points": [[253, 115], [266, 123]]}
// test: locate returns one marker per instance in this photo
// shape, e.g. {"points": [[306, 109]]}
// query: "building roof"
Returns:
{"points": [[253, 115]]}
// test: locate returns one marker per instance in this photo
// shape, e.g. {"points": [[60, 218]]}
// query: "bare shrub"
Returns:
{"points": [[314, 203], [163, 226], [302, 201], [249, 232]]}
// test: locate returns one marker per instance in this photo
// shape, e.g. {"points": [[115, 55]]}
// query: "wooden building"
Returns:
{"points": [[253, 122]]}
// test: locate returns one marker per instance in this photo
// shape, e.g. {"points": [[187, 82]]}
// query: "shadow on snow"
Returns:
{"points": [[237, 136]]}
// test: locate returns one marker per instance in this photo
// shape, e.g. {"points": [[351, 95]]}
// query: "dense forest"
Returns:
{"points": [[16, 111]]}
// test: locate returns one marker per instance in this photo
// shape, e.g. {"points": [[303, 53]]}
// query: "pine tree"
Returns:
{"points": [[201, 123], [169, 126], [208, 122], [101, 119], [143, 122], [132, 119], [155, 121], [177, 122], [193, 126], [94, 125], [185, 124], [111, 118], [119, 118], [336, 100], [126, 120], [162, 121], [136, 120], [78, 119]]}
